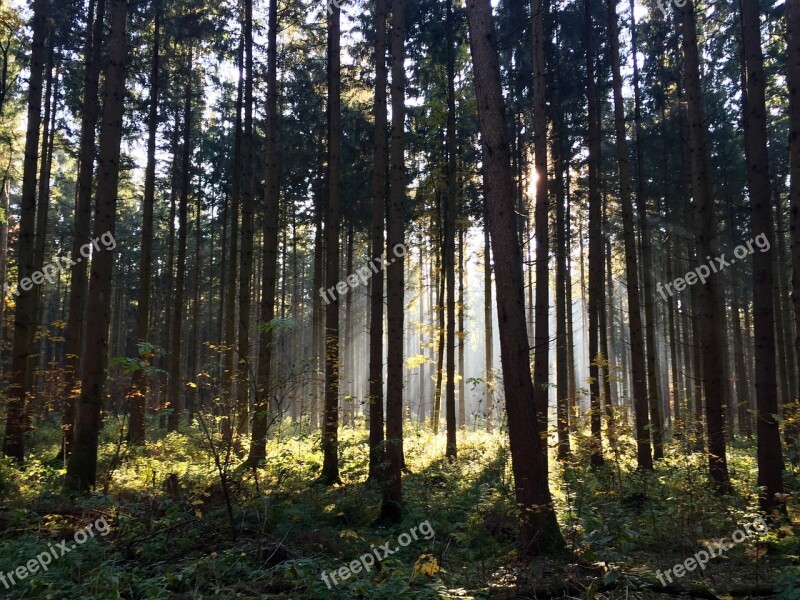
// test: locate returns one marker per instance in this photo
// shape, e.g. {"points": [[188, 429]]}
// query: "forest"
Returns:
{"points": [[400, 299]]}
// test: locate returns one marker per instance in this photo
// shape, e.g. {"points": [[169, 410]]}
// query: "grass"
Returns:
{"points": [[172, 536]]}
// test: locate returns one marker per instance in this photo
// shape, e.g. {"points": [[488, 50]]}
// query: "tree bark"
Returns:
{"points": [[330, 436], [392, 505], [769, 452], [539, 529], [138, 395], [82, 465], [379, 164], [708, 305]]}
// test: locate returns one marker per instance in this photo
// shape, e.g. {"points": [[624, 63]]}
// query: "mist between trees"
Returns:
{"points": [[257, 382]]}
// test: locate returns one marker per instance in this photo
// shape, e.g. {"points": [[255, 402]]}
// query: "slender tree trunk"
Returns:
{"points": [[379, 164], [792, 8], [643, 402], [330, 436], [707, 307], [596, 249], [229, 359], [769, 452], [176, 393], [138, 397], [539, 530], [391, 508], [82, 465], [541, 334], [262, 416], [25, 304], [488, 327], [654, 397], [244, 359], [462, 399], [449, 250], [562, 302]]}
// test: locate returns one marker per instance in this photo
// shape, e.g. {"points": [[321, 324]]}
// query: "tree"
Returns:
{"points": [[539, 530], [379, 163], [391, 507], [261, 410], [138, 404], [175, 390], [25, 310], [449, 247], [793, 77], [769, 453], [707, 295], [330, 426], [82, 465], [596, 252]]}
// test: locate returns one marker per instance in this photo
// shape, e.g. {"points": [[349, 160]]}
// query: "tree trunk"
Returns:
{"points": [[769, 453], [541, 334], [262, 415], [25, 303], [488, 327], [792, 9], [379, 164], [391, 507], [539, 529], [82, 465], [708, 305], [138, 396], [654, 397], [176, 395], [330, 435], [643, 402], [596, 250], [449, 250], [243, 358]]}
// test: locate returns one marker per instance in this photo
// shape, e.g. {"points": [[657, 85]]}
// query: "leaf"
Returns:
{"points": [[348, 533]]}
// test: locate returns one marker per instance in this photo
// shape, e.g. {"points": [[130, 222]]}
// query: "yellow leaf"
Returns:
{"points": [[191, 384], [197, 502], [198, 514], [348, 533], [426, 565]]}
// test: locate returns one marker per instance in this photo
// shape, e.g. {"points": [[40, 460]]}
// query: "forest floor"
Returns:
{"points": [[171, 533]]}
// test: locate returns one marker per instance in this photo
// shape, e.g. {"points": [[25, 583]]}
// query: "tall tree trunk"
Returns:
{"points": [[462, 397], [562, 302], [792, 8], [25, 303], [643, 402], [138, 396], [769, 453], [596, 249], [82, 465], [176, 393], [379, 164], [487, 323], [262, 416], [229, 359], [449, 250], [654, 400], [707, 295], [541, 334], [391, 507], [244, 360], [539, 529], [330, 435]]}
